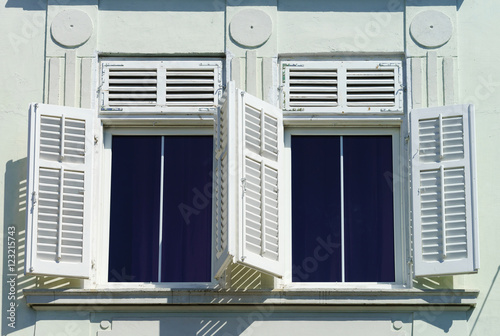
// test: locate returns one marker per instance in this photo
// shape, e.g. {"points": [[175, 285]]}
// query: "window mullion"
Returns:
{"points": [[342, 206], [160, 237]]}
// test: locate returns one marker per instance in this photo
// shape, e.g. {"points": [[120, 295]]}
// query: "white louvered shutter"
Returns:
{"points": [[443, 183], [260, 139], [58, 196], [332, 87], [249, 157], [221, 197]]}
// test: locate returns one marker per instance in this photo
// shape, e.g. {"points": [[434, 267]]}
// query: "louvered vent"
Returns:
{"points": [[342, 87], [160, 86], [312, 88], [188, 87], [132, 87], [370, 87]]}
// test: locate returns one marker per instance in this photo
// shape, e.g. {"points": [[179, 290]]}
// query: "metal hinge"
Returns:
{"points": [[244, 185]]}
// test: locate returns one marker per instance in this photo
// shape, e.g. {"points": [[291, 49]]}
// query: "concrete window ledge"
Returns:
{"points": [[210, 299]]}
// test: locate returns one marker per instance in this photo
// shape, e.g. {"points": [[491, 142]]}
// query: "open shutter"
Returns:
{"points": [[221, 199], [249, 157], [443, 183], [58, 197]]}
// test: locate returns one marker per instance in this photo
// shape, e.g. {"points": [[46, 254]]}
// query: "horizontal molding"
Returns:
{"points": [[286, 300]]}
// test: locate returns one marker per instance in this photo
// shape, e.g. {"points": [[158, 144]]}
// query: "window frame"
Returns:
{"points": [[401, 241], [101, 225]]}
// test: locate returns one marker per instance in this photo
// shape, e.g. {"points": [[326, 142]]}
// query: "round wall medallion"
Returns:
{"points": [[251, 27], [431, 28], [71, 28]]}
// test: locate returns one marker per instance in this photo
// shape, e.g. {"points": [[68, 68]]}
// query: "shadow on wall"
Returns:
{"points": [[14, 239], [220, 5]]}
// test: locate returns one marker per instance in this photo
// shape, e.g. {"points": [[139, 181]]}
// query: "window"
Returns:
{"points": [[160, 211], [281, 179], [343, 218]]}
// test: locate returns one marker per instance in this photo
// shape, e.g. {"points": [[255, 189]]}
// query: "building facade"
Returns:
{"points": [[249, 167]]}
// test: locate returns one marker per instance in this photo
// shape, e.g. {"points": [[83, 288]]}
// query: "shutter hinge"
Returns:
{"points": [[33, 197], [244, 185], [96, 140], [407, 138], [111, 108]]}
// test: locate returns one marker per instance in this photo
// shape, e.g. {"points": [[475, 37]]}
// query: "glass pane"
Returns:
{"points": [[135, 204], [316, 249], [369, 213], [187, 209]]}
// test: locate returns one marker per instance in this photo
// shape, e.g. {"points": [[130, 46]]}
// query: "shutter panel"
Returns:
{"points": [[251, 136], [443, 183], [221, 177], [261, 139], [332, 87], [59, 183]]}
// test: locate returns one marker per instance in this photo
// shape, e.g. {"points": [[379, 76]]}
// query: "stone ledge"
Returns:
{"points": [[162, 298]]}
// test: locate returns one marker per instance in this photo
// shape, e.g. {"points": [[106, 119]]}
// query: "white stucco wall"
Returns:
{"points": [[195, 27]]}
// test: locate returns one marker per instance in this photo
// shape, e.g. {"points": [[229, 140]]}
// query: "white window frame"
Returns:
{"points": [[101, 225], [400, 206]]}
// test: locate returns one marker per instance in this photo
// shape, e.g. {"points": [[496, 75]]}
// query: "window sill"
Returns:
{"points": [[209, 299]]}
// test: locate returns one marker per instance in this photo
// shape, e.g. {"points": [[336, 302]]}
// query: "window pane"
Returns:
{"points": [[369, 213], [187, 205], [316, 250], [135, 203]]}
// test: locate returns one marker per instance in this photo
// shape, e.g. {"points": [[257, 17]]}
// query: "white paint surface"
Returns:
{"points": [[431, 28], [251, 27], [71, 28]]}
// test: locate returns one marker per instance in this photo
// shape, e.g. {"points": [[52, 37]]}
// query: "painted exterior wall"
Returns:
{"points": [[34, 68]]}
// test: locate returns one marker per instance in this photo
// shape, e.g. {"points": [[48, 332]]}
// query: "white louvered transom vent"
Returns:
{"points": [[342, 87], [153, 86], [312, 87]]}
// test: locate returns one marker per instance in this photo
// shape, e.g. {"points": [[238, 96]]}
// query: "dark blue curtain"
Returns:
{"points": [[369, 209], [316, 249], [135, 201], [187, 209], [135, 209]]}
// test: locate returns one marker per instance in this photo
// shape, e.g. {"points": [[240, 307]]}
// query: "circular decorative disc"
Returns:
{"points": [[71, 28], [431, 28], [251, 27]]}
